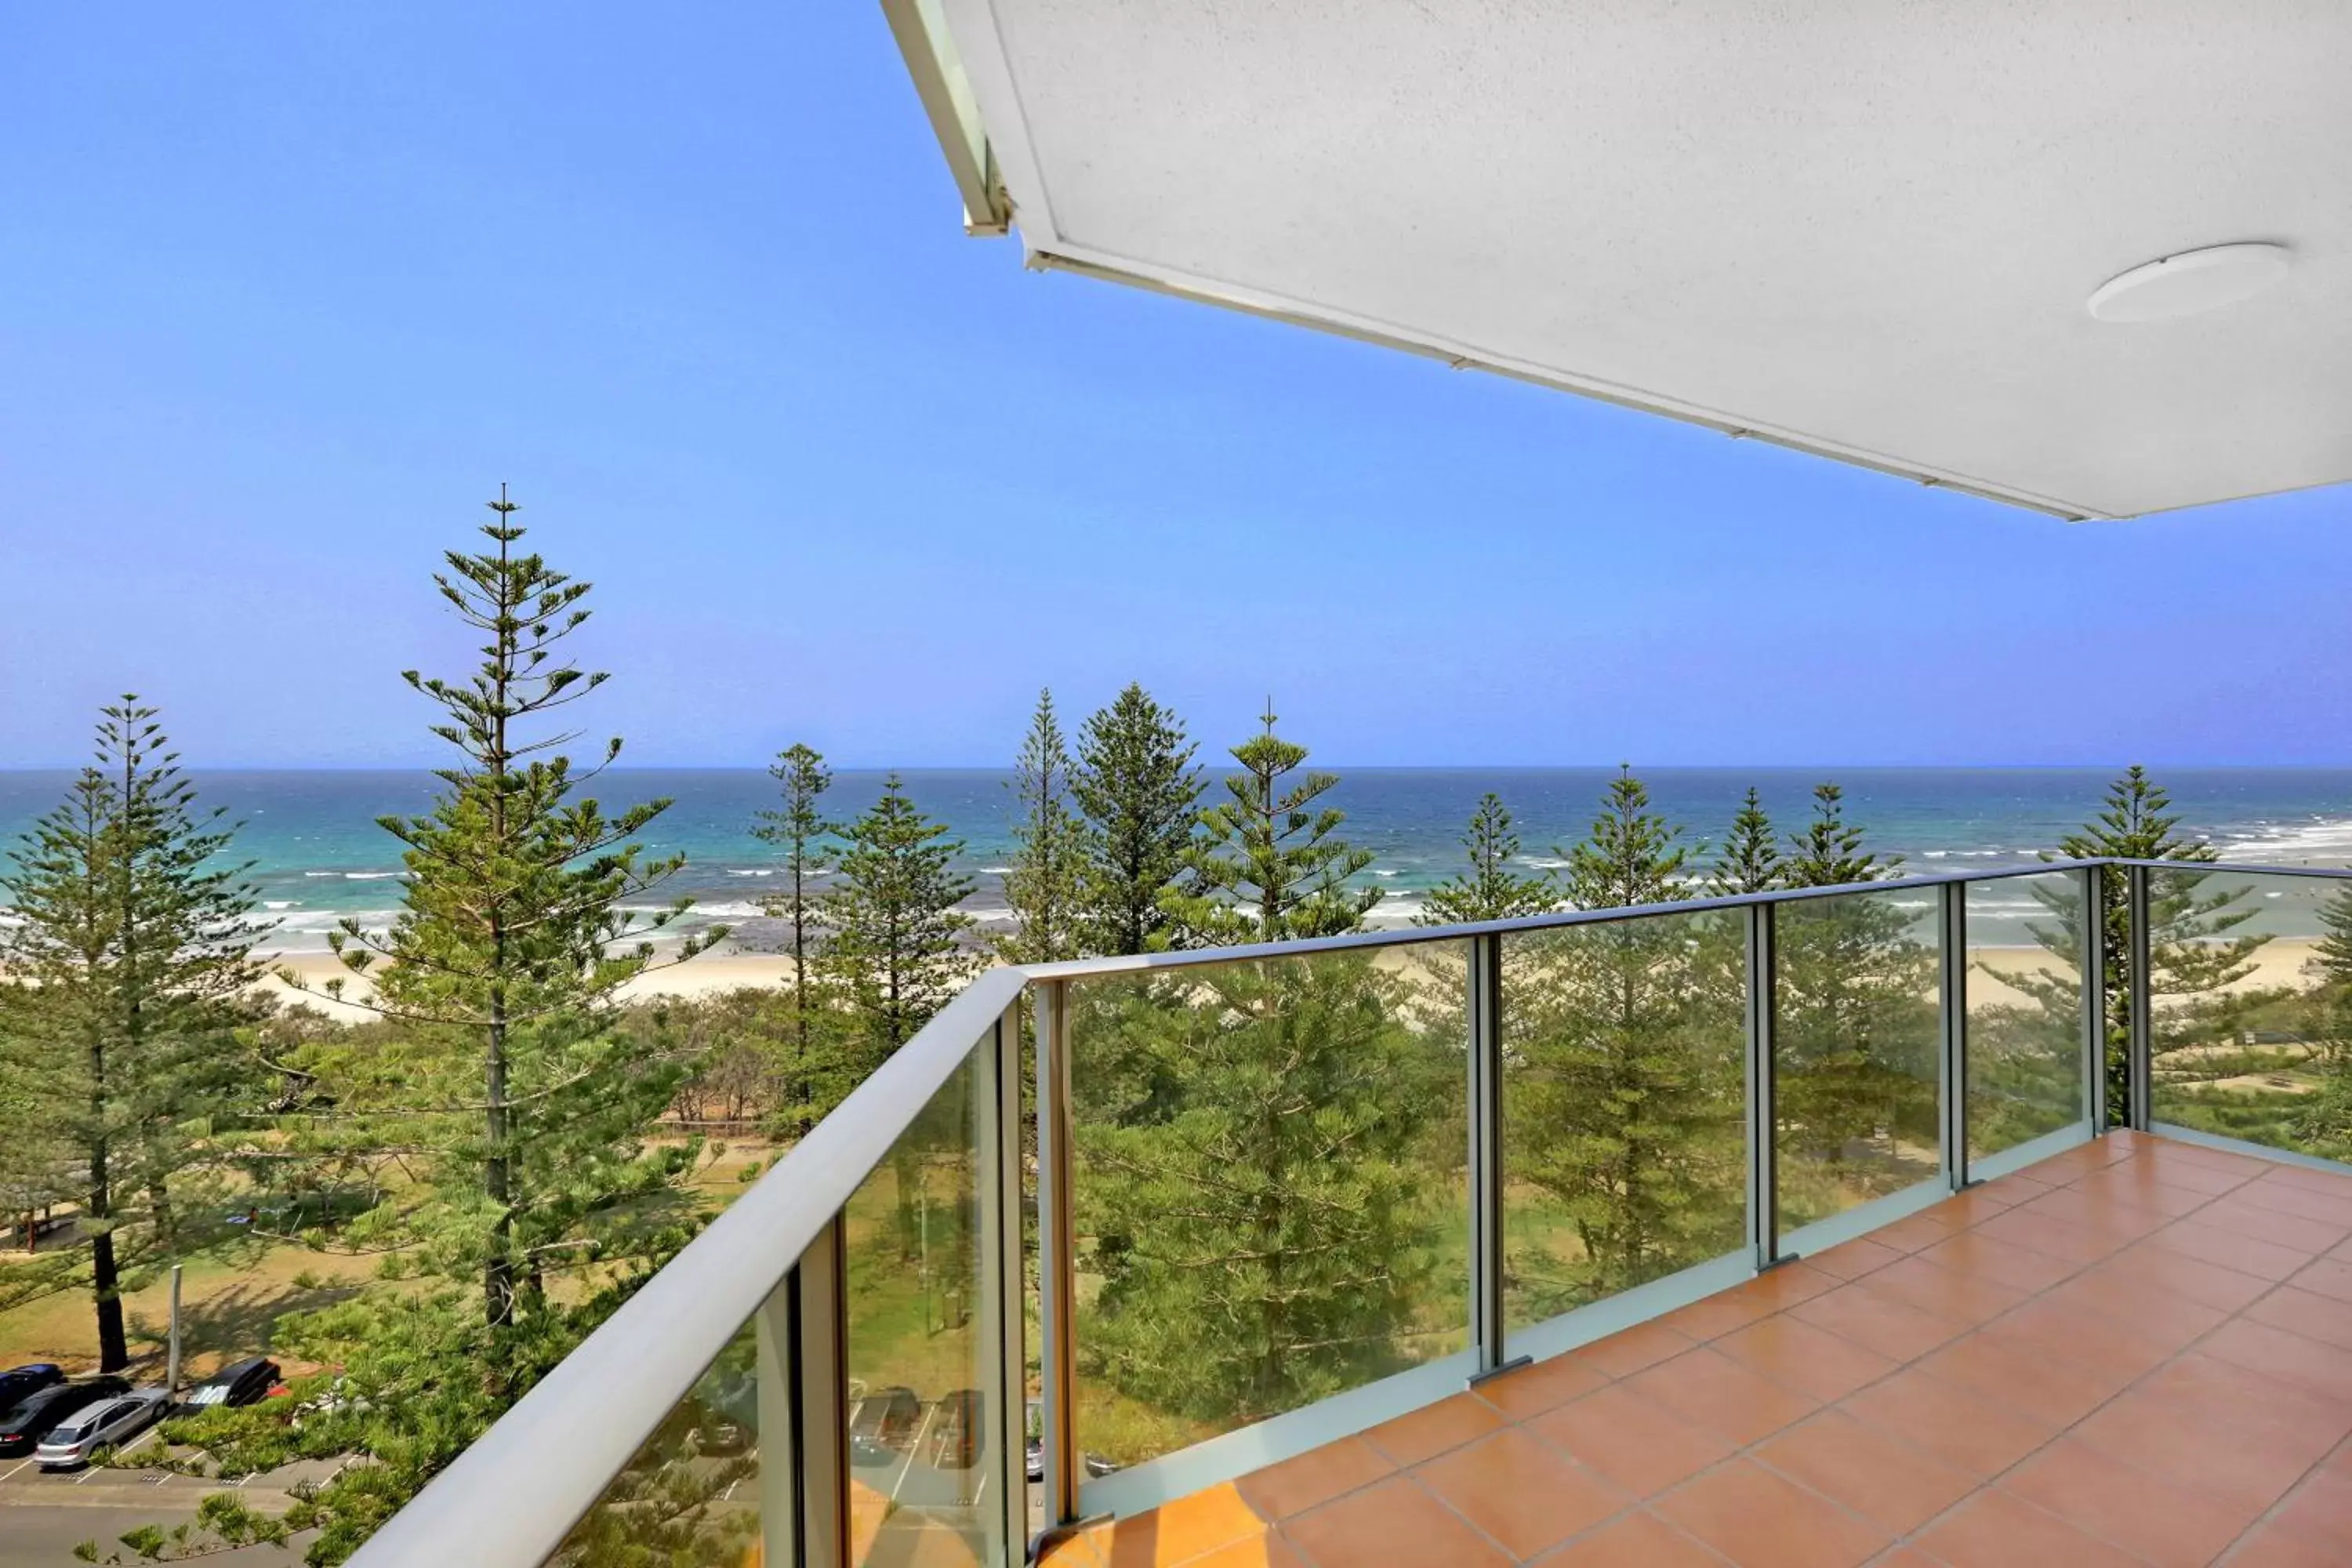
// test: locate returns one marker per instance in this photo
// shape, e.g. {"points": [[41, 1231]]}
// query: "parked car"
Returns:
{"points": [[1094, 1464], [884, 1425], [242, 1382], [19, 1382], [33, 1418], [105, 1425], [959, 1431], [726, 1414]]}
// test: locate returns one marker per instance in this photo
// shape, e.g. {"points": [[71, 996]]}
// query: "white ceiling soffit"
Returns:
{"points": [[1869, 229]]}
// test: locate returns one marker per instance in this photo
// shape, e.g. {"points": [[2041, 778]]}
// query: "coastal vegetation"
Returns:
{"points": [[1271, 1189]]}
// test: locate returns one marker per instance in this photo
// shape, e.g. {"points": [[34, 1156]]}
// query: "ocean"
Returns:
{"points": [[319, 857]]}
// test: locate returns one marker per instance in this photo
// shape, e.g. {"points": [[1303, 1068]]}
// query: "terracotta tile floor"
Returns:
{"points": [[2139, 1351]]}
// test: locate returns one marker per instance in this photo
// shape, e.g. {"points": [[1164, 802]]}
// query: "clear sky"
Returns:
{"points": [[286, 290]]}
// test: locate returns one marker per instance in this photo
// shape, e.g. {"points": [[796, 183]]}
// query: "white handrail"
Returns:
{"points": [[511, 1498]]}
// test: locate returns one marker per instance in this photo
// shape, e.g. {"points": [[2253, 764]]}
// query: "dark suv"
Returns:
{"points": [[20, 1383], [239, 1382], [23, 1427]]}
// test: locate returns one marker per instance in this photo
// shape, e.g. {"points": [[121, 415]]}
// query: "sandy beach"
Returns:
{"points": [[706, 976], [2279, 963]]}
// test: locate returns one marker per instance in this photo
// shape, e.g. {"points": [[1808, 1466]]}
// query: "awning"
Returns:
{"points": [[1869, 230]]}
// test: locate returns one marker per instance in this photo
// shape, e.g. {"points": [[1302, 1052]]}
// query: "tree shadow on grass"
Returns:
{"points": [[232, 1323]]}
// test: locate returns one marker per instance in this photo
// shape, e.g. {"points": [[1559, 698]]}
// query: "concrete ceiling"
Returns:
{"points": [[1865, 228]]}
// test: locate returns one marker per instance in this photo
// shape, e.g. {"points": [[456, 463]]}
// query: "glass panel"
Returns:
{"points": [[2025, 1009], [916, 1336], [692, 1496], [1270, 1188], [917, 1332], [1856, 1040], [2250, 1007], [1624, 1092], [919, 1371]]}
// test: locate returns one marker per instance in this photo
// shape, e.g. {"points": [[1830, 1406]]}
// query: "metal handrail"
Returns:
{"points": [[1177, 958], [514, 1495]]}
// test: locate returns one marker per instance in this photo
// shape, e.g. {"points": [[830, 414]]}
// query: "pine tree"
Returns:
{"points": [[2192, 956], [2323, 1124], [1138, 795], [898, 948], [129, 970], [1489, 890], [500, 1105], [2332, 953], [1829, 853], [1264, 1145], [507, 961], [1624, 1103], [1751, 861], [1630, 856], [798, 826], [1266, 866], [1049, 854], [1855, 1031]]}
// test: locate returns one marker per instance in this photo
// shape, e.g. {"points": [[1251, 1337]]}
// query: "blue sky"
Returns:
{"points": [[286, 290]]}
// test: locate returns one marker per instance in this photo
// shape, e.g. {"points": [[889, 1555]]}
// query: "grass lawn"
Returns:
{"points": [[229, 1300], [227, 1306]]}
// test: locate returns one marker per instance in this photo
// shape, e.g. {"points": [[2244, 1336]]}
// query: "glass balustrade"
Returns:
{"points": [[2250, 983], [1623, 1094], [2025, 1059], [1856, 1040], [1269, 1187]]}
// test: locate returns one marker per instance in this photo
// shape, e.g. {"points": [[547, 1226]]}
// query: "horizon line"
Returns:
{"points": [[1210, 765]]}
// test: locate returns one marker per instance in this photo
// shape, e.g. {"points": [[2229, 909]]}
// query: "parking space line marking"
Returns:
{"points": [[913, 1448], [11, 1474]]}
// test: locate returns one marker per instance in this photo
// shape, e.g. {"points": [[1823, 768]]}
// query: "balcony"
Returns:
{"points": [[2135, 1351], [1779, 1229]]}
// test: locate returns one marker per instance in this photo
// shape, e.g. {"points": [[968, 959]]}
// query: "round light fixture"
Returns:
{"points": [[2191, 281]]}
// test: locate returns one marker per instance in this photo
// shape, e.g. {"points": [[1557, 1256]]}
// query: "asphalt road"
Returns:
{"points": [[44, 1514], [41, 1535]]}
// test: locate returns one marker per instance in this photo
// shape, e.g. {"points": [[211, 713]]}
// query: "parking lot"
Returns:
{"points": [[44, 1514], [918, 1471]]}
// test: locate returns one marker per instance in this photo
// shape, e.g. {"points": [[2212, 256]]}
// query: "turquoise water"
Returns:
{"points": [[319, 857]]}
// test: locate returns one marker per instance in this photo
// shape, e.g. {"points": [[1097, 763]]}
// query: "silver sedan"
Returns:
{"points": [[106, 1424]]}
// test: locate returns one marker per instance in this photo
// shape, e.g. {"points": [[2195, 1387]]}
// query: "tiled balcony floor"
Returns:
{"points": [[2139, 1351]]}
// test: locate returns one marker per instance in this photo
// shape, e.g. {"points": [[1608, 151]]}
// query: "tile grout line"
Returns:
{"points": [[1993, 1480], [2343, 1445], [1902, 1539], [2245, 1537], [1898, 1540]]}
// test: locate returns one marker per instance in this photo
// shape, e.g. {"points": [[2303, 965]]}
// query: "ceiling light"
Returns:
{"points": [[2191, 281]]}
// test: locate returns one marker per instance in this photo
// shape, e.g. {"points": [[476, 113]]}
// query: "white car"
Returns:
{"points": [[106, 1424]]}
